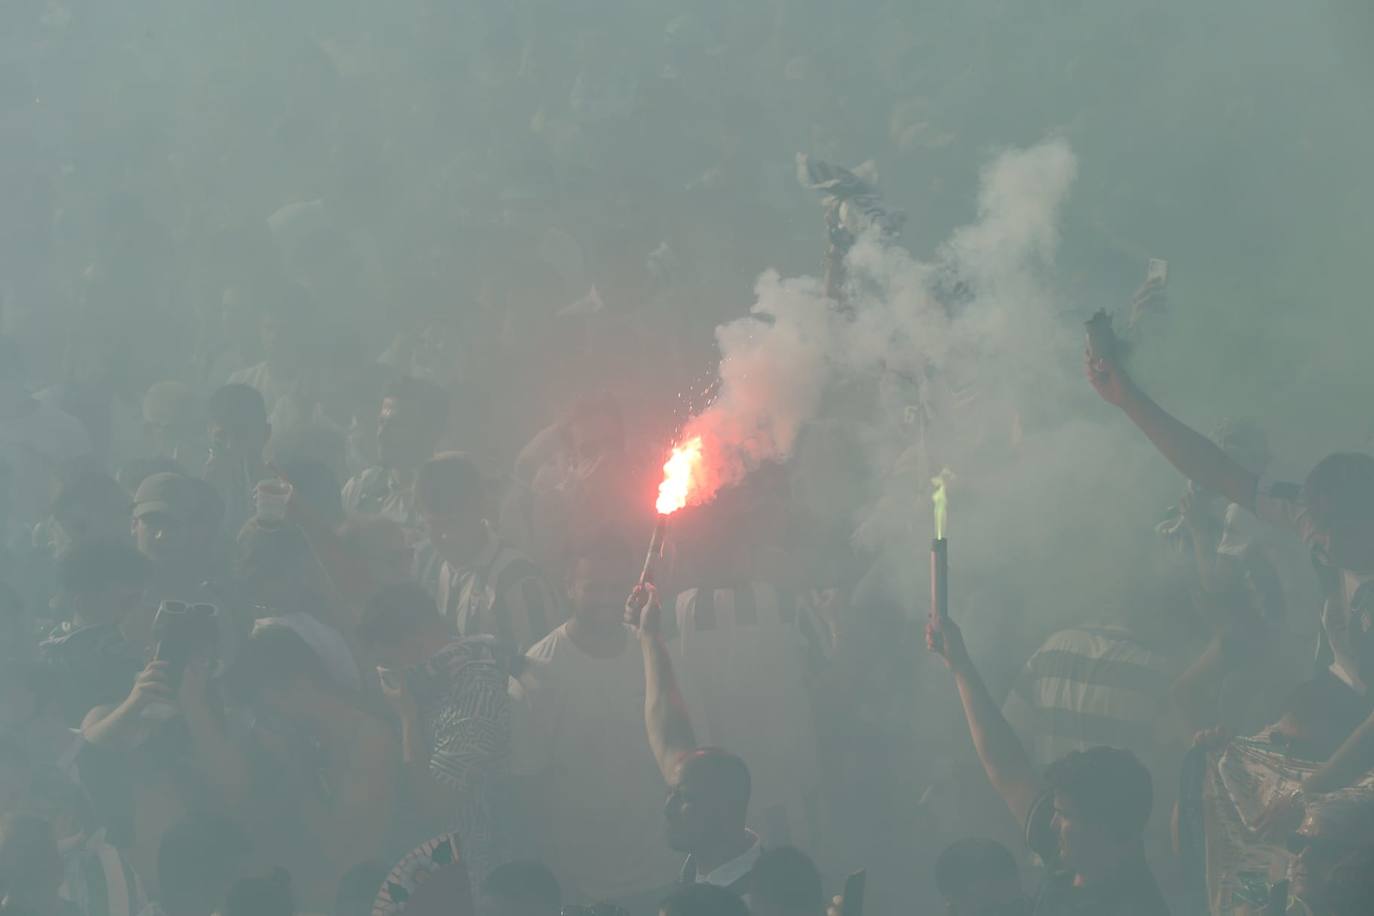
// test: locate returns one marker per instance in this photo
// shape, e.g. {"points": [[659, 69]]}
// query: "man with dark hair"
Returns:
{"points": [[708, 788], [1333, 512], [485, 586], [176, 526], [703, 900], [978, 877], [165, 508], [198, 860], [580, 708], [785, 882], [451, 698], [524, 888], [412, 421], [88, 660], [1086, 818], [238, 437]]}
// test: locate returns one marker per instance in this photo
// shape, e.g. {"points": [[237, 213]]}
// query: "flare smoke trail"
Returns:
{"points": [[777, 362]]}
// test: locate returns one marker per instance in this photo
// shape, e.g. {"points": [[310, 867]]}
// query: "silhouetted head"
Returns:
{"points": [[708, 800], [1102, 802]]}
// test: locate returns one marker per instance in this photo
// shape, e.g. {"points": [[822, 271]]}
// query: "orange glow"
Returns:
{"points": [[678, 473]]}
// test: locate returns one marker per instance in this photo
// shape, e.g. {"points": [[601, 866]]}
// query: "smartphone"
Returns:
{"points": [[173, 645], [1157, 270], [854, 892], [183, 631]]}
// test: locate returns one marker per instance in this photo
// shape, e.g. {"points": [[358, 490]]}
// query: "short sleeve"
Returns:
{"points": [[1040, 835]]}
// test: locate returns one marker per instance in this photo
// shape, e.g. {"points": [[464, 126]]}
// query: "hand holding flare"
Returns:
{"points": [[939, 549], [679, 471]]}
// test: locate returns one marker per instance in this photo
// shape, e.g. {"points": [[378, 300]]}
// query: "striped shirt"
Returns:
{"points": [[743, 656], [1085, 687], [502, 594], [98, 880], [464, 703]]}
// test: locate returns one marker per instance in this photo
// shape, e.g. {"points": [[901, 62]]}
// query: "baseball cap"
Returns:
{"points": [[167, 492]]}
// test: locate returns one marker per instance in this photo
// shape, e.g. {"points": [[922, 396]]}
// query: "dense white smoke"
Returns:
{"points": [[968, 359], [777, 363]]}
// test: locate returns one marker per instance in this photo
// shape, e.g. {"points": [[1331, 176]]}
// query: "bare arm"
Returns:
{"points": [[124, 726], [1005, 761], [1352, 760], [665, 712], [1196, 457]]}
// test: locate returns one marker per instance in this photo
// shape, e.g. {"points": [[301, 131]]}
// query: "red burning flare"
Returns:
{"points": [[679, 473]]}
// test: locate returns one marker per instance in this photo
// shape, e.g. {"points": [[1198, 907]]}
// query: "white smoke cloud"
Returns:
{"points": [[977, 345], [776, 364]]}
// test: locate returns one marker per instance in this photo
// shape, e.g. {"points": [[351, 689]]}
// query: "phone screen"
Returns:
{"points": [[174, 648]]}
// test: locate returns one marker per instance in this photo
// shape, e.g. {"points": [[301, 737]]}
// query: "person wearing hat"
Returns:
{"points": [[175, 520], [164, 507]]}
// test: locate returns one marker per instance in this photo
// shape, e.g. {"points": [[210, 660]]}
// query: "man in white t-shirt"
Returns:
{"points": [[579, 743]]}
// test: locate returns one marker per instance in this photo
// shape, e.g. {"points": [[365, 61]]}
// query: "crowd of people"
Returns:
{"points": [[334, 380], [233, 681]]}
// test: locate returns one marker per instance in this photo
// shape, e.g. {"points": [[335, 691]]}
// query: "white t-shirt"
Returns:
{"points": [[741, 664], [578, 732]]}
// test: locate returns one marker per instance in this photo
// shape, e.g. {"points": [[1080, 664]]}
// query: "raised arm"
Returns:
{"points": [[1005, 761], [1196, 457], [1352, 760], [665, 712]]}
